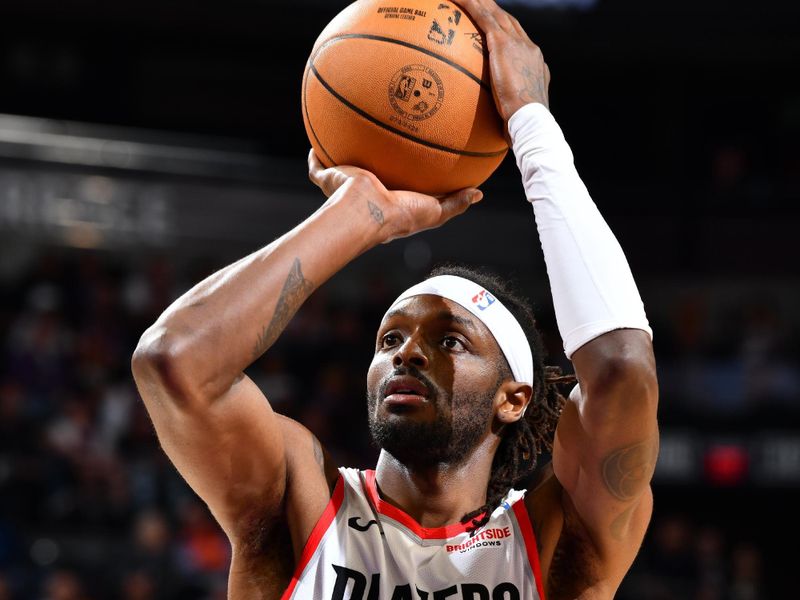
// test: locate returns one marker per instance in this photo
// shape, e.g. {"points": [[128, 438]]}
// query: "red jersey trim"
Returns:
{"points": [[324, 522], [391, 511], [521, 512]]}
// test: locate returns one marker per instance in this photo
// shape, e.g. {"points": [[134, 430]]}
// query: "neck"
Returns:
{"points": [[440, 494]]}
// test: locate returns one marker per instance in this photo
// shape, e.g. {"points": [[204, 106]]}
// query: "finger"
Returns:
{"points": [[457, 203], [328, 179], [506, 21], [315, 168], [518, 28], [324, 179], [500, 17], [480, 13]]}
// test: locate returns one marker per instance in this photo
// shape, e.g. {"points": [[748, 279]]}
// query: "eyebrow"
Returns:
{"points": [[444, 315]]}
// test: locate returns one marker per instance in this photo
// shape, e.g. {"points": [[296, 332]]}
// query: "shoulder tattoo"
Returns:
{"points": [[319, 455], [628, 470], [620, 523]]}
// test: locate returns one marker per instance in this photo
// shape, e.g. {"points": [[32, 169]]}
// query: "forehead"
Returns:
{"points": [[429, 308]]}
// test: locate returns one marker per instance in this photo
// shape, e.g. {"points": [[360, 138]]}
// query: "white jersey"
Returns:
{"points": [[363, 548]]}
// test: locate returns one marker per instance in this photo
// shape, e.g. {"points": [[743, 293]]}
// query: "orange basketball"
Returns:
{"points": [[401, 88]]}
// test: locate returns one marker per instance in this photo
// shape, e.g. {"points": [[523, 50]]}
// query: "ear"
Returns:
{"points": [[511, 400]]}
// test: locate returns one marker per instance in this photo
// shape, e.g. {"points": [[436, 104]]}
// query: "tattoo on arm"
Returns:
{"points": [[319, 455], [534, 89], [377, 213], [628, 470], [620, 524], [295, 290]]}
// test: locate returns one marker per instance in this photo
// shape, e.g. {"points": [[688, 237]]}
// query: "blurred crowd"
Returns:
{"points": [[90, 507], [679, 561]]}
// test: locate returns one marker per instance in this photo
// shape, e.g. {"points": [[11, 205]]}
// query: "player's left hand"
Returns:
{"points": [[519, 74], [399, 213]]}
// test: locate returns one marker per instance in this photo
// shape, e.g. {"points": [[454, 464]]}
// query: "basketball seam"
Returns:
{"points": [[431, 53], [399, 132], [310, 125]]}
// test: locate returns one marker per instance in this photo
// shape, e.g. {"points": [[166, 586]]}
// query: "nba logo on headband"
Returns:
{"points": [[483, 300]]}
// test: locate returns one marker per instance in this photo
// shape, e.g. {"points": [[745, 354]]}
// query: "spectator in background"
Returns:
{"points": [[672, 556], [767, 357], [64, 585], [711, 567], [150, 559], [5, 589], [203, 550], [746, 581], [139, 585], [666, 568]]}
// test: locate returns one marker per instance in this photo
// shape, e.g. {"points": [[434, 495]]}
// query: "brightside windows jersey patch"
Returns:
{"points": [[348, 558]]}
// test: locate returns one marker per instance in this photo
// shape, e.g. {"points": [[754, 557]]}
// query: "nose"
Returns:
{"points": [[410, 353]]}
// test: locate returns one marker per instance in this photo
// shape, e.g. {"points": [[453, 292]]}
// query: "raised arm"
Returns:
{"points": [[212, 421], [607, 439]]}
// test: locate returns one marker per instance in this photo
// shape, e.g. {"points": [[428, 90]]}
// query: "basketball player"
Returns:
{"points": [[458, 397]]}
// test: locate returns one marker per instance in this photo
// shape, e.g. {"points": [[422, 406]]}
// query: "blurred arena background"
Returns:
{"points": [[144, 144]]}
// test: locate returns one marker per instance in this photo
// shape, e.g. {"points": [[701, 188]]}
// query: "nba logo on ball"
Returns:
{"points": [[403, 91], [416, 92]]}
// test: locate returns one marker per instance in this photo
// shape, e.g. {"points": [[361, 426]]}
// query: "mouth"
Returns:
{"points": [[406, 391]]}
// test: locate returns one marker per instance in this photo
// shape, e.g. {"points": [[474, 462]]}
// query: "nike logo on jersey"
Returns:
{"points": [[353, 522]]}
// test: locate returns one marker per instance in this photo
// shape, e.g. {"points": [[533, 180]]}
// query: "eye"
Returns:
{"points": [[390, 340], [451, 342]]}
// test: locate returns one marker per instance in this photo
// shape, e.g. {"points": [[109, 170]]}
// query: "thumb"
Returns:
{"points": [[458, 202]]}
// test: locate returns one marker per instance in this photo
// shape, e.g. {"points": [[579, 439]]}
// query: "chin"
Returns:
{"points": [[414, 441]]}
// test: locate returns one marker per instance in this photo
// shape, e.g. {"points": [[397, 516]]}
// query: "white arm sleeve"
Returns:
{"points": [[591, 282]]}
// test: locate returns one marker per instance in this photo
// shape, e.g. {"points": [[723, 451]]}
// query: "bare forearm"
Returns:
{"points": [[215, 330]]}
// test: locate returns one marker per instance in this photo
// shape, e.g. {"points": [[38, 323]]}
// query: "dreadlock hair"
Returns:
{"points": [[523, 441]]}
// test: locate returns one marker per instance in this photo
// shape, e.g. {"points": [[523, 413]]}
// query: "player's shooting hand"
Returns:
{"points": [[399, 213], [519, 74]]}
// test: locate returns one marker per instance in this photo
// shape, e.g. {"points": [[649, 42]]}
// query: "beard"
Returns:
{"points": [[448, 439]]}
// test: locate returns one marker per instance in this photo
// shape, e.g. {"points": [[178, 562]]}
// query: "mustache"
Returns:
{"points": [[412, 372]]}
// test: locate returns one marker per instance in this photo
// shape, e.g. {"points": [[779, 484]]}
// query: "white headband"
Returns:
{"points": [[501, 323]]}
